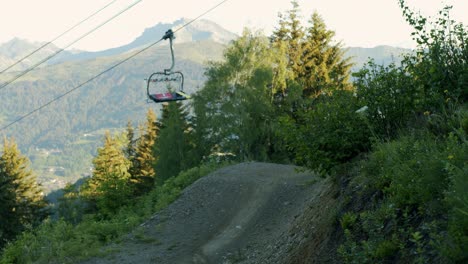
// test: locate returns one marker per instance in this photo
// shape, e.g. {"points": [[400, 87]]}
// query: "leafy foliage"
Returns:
{"points": [[441, 60], [389, 97], [414, 177], [289, 98], [418, 209], [234, 110], [328, 134], [72, 206]]}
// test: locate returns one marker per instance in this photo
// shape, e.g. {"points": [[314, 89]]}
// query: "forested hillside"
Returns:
{"points": [[390, 139]]}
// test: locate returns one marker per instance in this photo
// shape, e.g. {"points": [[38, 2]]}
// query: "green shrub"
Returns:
{"points": [[421, 215], [328, 133], [457, 198], [348, 220], [390, 98], [386, 249]]}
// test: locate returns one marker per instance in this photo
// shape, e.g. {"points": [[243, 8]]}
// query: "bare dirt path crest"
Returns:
{"points": [[234, 215]]}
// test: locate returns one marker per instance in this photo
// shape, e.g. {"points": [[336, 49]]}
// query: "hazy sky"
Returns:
{"points": [[364, 23]]}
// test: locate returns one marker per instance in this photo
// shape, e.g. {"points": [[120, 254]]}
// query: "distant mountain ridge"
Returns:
{"points": [[16, 49], [382, 55], [199, 30]]}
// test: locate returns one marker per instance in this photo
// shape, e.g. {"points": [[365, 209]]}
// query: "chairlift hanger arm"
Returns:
{"points": [[170, 35]]}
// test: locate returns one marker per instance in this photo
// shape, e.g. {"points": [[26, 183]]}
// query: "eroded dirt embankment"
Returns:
{"points": [[245, 213]]}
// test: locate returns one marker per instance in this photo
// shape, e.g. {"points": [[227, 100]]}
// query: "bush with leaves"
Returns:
{"points": [[456, 196], [420, 205], [440, 64], [431, 81], [327, 134], [389, 97], [417, 183]]}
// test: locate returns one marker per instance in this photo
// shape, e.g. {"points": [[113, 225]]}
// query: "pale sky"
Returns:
{"points": [[363, 23]]}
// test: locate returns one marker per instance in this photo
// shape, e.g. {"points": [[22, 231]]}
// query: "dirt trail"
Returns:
{"points": [[245, 213]]}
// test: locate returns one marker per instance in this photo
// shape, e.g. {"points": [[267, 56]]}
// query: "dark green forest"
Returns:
{"points": [[392, 138]]}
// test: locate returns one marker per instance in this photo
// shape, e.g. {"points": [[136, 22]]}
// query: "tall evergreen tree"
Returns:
{"points": [[130, 150], [21, 199], [325, 66], [318, 68], [291, 32], [109, 187], [317, 63], [173, 147], [143, 174]]}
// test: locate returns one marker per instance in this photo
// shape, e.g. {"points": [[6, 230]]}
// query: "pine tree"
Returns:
{"points": [[71, 207], [316, 62], [21, 199], [143, 174], [325, 67], [173, 147], [296, 33], [109, 187], [130, 150], [291, 34]]}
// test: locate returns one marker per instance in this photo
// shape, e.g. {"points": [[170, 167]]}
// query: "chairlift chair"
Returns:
{"points": [[167, 86]]}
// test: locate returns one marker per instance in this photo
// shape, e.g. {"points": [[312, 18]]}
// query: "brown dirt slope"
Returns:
{"points": [[245, 213]]}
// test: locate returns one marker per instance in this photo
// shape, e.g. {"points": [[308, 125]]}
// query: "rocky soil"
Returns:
{"points": [[245, 213]]}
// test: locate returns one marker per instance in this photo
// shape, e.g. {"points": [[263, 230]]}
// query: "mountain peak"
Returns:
{"points": [[198, 30], [17, 48]]}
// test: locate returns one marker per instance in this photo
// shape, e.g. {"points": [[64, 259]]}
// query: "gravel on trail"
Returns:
{"points": [[244, 213]]}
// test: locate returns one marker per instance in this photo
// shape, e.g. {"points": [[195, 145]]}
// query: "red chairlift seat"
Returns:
{"points": [[168, 97]]}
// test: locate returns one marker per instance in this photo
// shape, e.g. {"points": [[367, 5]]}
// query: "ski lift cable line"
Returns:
{"points": [[68, 45], [58, 37], [105, 71]]}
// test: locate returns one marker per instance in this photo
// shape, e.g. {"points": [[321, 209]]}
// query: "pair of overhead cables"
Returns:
{"points": [[57, 37], [69, 44], [108, 69]]}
